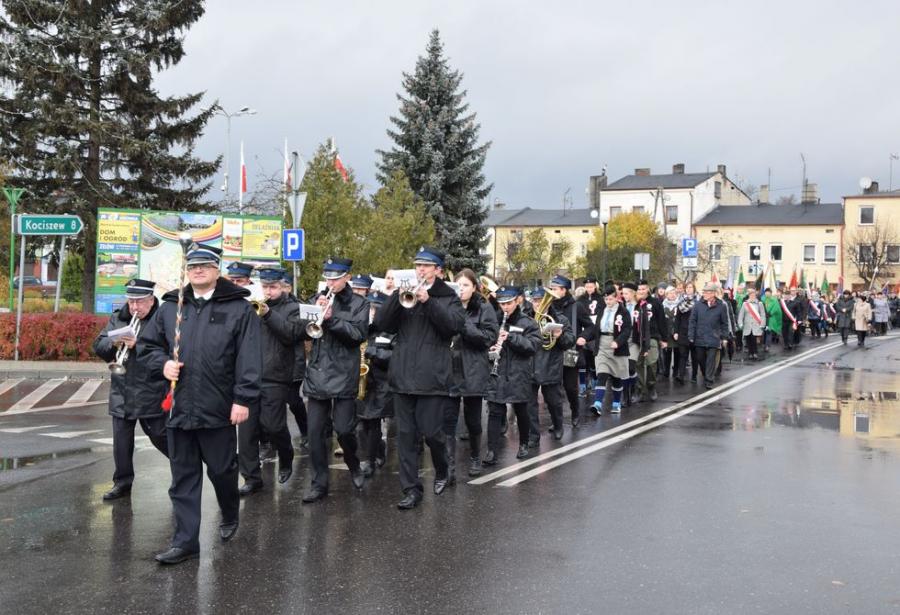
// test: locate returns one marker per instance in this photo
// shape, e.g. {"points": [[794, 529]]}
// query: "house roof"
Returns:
{"points": [[672, 181], [765, 214], [875, 195], [540, 217]]}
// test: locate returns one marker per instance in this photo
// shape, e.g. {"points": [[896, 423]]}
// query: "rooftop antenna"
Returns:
{"points": [[803, 185]]}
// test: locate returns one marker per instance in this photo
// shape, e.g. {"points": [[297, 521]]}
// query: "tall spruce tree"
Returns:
{"points": [[436, 146], [83, 126]]}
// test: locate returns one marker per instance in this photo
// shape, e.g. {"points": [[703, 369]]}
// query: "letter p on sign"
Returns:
{"points": [[293, 245]]}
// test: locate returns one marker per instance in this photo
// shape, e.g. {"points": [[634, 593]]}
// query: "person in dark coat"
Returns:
{"points": [[658, 332], [844, 314], [421, 372], [639, 344], [613, 332], [592, 299], [135, 395], [708, 331], [582, 327], [513, 354], [794, 315], [218, 377], [548, 373], [294, 400], [377, 404], [471, 369], [681, 336], [332, 376], [280, 334]]}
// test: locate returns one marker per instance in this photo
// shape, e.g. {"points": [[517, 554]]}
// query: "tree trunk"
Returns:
{"points": [[92, 169]]}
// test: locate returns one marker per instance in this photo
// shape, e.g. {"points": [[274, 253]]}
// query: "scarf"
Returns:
{"points": [[753, 312]]}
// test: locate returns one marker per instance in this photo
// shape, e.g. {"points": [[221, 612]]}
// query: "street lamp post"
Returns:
{"points": [[221, 111], [603, 219]]}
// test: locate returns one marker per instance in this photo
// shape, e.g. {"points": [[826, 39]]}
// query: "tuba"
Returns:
{"points": [[543, 318]]}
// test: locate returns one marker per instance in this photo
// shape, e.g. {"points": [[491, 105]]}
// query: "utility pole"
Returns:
{"points": [[891, 174]]}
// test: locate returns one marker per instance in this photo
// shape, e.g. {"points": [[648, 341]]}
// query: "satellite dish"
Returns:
{"points": [[865, 183]]}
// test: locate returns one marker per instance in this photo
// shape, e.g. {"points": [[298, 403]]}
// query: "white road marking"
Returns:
{"points": [[25, 429], [59, 407], [717, 394], [106, 441], [85, 392], [71, 434], [8, 384], [31, 400]]}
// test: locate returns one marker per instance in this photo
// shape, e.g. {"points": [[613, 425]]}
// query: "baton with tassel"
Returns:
{"points": [[185, 240]]}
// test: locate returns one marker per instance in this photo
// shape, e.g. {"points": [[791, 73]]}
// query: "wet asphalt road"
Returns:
{"points": [[780, 497]]}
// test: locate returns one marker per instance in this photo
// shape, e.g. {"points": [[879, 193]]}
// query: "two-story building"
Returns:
{"points": [[676, 199], [872, 217]]}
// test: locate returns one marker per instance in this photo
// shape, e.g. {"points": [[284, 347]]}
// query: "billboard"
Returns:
{"points": [[144, 244]]}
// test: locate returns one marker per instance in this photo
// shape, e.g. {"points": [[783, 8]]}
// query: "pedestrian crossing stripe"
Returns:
{"points": [[71, 434], [25, 429], [9, 384], [30, 401], [84, 392]]}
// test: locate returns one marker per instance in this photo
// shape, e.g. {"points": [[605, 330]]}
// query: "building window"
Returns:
{"points": [[809, 253], [672, 214], [775, 251], [718, 190], [715, 251], [867, 215], [557, 231], [755, 251], [893, 254], [638, 209], [614, 211], [830, 254], [517, 236], [865, 254]]}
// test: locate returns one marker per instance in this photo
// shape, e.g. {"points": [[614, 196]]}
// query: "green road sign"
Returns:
{"points": [[33, 224], [12, 195]]}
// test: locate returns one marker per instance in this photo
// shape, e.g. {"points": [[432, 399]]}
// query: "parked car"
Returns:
{"points": [[34, 286]]}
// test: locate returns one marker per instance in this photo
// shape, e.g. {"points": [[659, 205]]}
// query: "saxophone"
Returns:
{"points": [[363, 371]]}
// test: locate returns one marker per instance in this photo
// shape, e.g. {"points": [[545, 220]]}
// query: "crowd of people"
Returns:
{"points": [[216, 367]]}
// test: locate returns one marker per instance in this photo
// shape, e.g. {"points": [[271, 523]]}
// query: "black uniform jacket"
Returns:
{"points": [[656, 319], [548, 364], [136, 394], [582, 326], [281, 334], [220, 349], [516, 369], [683, 322], [640, 326], [333, 368], [469, 349], [421, 363], [378, 402], [621, 330], [299, 349]]}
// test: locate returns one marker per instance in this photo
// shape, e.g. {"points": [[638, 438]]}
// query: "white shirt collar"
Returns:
{"points": [[207, 295]]}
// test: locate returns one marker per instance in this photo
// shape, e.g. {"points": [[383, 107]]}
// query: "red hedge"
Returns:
{"points": [[62, 337]]}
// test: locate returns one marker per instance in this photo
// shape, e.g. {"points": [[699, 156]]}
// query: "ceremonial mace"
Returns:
{"points": [[185, 240]]}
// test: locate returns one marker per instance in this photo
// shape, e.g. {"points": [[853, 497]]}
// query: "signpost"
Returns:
{"points": [[293, 244], [688, 253], [35, 224], [12, 197], [642, 262]]}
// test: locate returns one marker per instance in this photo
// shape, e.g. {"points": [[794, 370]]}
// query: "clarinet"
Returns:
{"points": [[495, 368]]}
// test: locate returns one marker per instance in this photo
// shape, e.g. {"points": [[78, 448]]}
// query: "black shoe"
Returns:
{"points": [[304, 443], [558, 433], [708, 386], [314, 494], [693, 379], [475, 466], [439, 485], [410, 501], [490, 459], [227, 530], [250, 487], [653, 395], [679, 380], [118, 491], [523, 452], [176, 555], [367, 468], [284, 474], [534, 441], [379, 462], [504, 427], [358, 478], [575, 421]]}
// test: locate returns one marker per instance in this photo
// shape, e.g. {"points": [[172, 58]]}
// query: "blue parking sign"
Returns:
{"points": [[689, 247], [293, 246]]}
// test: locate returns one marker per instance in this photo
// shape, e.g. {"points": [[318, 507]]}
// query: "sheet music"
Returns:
{"points": [[309, 312], [405, 277], [119, 333]]}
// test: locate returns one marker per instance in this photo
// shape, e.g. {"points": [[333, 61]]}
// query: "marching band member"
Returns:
{"points": [[294, 399], [471, 370], [217, 378], [361, 284], [577, 315], [518, 341], [332, 376], [612, 364], [280, 333], [135, 395], [548, 371], [239, 273], [377, 404], [420, 371]]}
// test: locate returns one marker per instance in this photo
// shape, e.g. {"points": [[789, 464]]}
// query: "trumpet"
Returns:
{"points": [[117, 367], [314, 329], [543, 318], [408, 295], [259, 307]]}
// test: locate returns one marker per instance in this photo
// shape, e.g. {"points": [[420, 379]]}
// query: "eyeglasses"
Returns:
{"points": [[200, 266]]}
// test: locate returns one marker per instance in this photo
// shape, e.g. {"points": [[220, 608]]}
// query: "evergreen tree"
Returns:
{"points": [[436, 146], [83, 126]]}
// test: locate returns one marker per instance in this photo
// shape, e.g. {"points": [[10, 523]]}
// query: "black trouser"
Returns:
{"points": [[751, 344], [845, 333], [471, 415], [323, 414], [297, 407], [570, 384], [707, 359], [188, 451], [420, 416], [788, 334], [681, 356], [861, 337], [814, 330], [666, 358], [371, 445], [497, 410], [553, 401], [267, 422], [695, 362], [123, 444]]}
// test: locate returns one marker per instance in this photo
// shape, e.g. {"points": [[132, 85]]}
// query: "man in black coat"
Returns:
{"points": [[658, 332], [217, 379], [583, 328], [332, 376], [708, 331], [592, 300], [794, 307], [548, 371], [421, 373], [134, 394], [280, 334], [294, 400]]}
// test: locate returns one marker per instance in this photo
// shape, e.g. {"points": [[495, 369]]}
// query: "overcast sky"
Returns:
{"points": [[564, 88]]}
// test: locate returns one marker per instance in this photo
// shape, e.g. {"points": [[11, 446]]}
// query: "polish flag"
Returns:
{"points": [[287, 168], [243, 187], [339, 167], [793, 282]]}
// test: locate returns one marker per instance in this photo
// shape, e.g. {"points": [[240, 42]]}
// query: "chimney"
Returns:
{"points": [[871, 189], [597, 183], [764, 193], [721, 170], [678, 169], [642, 172], [810, 193], [498, 204]]}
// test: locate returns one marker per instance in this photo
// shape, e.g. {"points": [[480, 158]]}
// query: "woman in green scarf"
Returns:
{"points": [[773, 318]]}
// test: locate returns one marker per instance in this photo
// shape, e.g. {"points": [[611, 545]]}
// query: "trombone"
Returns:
{"points": [[543, 318], [408, 294], [314, 328], [117, 367]]}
